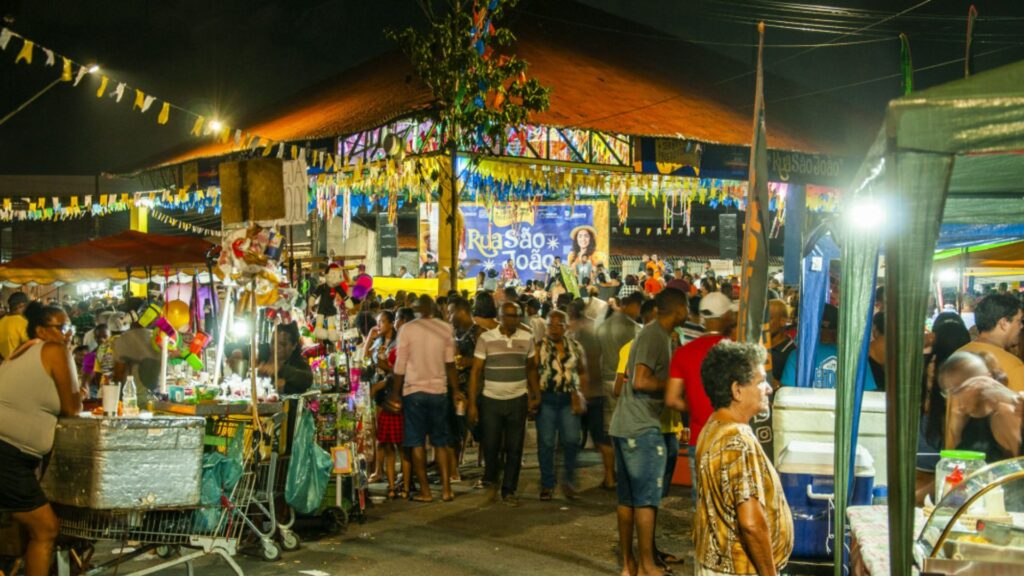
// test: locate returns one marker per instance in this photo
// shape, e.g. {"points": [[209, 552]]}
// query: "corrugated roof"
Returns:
{"points": [[643, 87]]}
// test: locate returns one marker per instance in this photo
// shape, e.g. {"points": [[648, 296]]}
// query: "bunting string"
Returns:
{"points": [[74, 71]]}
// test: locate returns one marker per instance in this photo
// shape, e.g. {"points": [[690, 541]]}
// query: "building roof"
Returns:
{"points": [[645, 86]]}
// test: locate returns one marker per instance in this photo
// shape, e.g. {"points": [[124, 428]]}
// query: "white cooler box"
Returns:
{"points": [[808, 414]]}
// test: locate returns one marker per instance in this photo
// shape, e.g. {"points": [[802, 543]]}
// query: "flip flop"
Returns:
{"points": [[546, 494], [669, 558], [448, 498], [392, 494], [422, 499]]}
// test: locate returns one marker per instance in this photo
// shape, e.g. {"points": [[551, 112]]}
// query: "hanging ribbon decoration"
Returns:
{"points": [[906, 64], [972, 15]]}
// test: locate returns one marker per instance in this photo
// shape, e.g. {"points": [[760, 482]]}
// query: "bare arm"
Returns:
{"points": [[674, 395], [620, 379], [532, 379], [754, 536], [453, 381], [581, 369], [645, 381], [474, 388], [61, 366]]}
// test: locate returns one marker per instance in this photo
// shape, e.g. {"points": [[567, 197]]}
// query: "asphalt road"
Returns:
{"points": [[471, 536]]}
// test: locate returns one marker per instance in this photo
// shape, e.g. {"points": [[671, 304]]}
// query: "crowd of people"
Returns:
{"points": [[631, 369]]}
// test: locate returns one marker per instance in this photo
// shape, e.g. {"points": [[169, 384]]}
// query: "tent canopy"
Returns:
{"points": [[999, 259], [949, 154], [108, 259]]}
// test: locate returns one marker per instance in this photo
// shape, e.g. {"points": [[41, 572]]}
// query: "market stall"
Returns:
{"points": [[949, 154]]}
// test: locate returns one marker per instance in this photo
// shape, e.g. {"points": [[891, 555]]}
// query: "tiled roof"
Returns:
{"points": [[636, 86]]}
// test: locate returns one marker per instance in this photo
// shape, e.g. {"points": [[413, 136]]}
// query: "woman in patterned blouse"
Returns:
{"points": [[743, 522], [563, 373]]}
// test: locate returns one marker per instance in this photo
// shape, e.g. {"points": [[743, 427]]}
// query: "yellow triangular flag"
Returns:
{"points": [[124, 198], [65, 74], [330, 162], [140, 100], [165, 112], [268, 149], [26, 52], [197, 128], [103, 87], [74, 201], [295, 152]]}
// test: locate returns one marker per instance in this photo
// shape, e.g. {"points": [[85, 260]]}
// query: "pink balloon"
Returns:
{"points": [[365, 281]]}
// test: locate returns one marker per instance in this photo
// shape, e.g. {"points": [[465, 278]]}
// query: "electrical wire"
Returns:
{"points": [[809, 50], [889, 76], [699, 42]]}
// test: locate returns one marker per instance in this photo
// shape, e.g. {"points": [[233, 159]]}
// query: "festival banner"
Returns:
{"points": [[530, 234]]}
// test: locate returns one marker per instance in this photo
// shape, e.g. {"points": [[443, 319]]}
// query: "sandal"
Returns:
{"points": [[392, 494], [546, 494]]}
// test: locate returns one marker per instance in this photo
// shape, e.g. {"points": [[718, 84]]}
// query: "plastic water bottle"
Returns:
{"points": [[130, 398]]}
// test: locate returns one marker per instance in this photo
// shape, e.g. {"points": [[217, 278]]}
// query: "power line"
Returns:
{"points": [[699, 42], [889, 76], [802, 52]]}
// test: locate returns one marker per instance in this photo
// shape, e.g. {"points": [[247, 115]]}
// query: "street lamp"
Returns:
{"points": [[92, 69]]}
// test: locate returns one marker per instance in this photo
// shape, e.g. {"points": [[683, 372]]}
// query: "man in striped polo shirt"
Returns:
{"points": [[505, 358]]}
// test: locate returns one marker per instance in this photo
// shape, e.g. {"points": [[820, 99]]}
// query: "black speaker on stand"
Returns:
{"points": [[728, 238]]}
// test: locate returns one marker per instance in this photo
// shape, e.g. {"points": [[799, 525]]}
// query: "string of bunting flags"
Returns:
{"points": [[184, 226], [74, 72]]}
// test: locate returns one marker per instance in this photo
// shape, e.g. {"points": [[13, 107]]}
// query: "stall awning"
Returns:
{"points": [[109, 259]]}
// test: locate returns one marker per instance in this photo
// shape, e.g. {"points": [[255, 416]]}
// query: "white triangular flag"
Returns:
{"points": [[280, 150], [147, 103], [238, 137], [50, 60], [82, 71], [5, 37], [118, 92]]}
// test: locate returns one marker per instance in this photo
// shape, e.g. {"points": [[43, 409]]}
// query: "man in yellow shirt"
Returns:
{"points": [[998, 318], [14, 326]]}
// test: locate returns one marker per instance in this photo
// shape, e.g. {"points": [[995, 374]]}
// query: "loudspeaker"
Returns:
{"points": [[728, 240]]}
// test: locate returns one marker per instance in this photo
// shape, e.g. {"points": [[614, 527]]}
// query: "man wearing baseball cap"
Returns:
{"points": [[685, 389]]}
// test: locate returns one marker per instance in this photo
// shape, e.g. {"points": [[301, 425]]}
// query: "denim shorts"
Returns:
{"points": [[640, 467], [425, 415]]}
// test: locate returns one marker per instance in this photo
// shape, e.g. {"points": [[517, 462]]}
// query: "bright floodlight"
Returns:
{"points": [[947, 276], [215, 125], [866, 213], [240, 329], [94, 68]]}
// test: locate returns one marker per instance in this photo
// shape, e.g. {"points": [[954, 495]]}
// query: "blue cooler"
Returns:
{"points": [[806, 471]]}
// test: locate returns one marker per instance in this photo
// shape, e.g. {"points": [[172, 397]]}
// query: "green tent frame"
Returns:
{"points": [[953, 153]]}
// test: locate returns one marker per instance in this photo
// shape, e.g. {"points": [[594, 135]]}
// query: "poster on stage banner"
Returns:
{"points": [[531, 235]]}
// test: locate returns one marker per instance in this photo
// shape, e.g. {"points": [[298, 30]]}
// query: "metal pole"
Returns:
{"points": [[453, 270], [29, 101]]}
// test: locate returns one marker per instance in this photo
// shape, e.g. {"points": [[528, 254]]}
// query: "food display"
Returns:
{"points": [[978, 524]]}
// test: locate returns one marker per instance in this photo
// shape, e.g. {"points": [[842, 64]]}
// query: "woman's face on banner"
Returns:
{"points": [[583, 239]]}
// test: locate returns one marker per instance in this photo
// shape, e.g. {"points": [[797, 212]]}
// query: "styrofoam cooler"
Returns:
{"points": [[809, 415], [806, 470]]}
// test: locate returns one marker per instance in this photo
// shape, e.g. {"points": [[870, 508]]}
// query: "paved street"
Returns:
{"points": [[469, 536]]}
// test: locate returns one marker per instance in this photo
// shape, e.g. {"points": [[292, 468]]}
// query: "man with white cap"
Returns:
{"points": [[685, 389]]}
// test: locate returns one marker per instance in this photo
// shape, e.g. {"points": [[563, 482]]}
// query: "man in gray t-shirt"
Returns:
{"points": [[640, 454]]}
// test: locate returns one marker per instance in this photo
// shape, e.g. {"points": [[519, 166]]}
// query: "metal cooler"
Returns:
{"points": [[126, 463]]}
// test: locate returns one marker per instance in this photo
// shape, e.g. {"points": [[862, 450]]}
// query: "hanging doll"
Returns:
{"points": [[332, 292]]}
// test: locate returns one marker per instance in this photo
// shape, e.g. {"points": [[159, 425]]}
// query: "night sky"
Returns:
{"points": [[232, 58]]}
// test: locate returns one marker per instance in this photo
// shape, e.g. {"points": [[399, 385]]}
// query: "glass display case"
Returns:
{"points": [[978, 526]]}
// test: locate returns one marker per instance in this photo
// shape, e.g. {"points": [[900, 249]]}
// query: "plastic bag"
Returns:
{"points": [[220, 475], [309, 469]]}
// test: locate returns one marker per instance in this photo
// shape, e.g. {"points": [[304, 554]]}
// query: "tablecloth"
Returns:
{"points": [[869, 539]]}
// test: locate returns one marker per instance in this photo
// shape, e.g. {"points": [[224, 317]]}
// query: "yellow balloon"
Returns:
{"points": [[178, 315]]}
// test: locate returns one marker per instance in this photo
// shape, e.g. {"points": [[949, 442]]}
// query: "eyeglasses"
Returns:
{"points": [[64, 328]]}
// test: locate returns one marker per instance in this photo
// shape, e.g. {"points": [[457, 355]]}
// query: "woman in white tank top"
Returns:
{"points": [[38, 383]]}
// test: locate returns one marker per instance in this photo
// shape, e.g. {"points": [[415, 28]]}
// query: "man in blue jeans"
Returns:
{"points": [[640, 454]]}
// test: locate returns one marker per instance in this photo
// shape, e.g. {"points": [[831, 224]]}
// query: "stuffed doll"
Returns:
{"points": [[329, 294]]}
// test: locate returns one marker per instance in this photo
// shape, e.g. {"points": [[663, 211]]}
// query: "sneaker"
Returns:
{"points": [[510, 500]]}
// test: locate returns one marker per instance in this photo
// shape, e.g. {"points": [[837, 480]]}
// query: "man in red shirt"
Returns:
{"points": [[685, 389]]}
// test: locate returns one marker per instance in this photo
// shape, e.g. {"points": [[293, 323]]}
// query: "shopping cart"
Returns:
{"points": [[263, 439], [240, 506]]}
